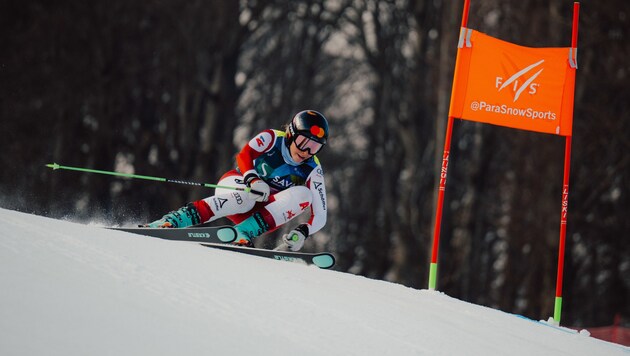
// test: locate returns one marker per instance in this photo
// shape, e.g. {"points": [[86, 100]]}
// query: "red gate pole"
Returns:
{"points": [[442, 187], [440, 204], [565, 188]]}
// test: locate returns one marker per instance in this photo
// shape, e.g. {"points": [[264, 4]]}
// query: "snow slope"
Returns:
{"points": [[72, 289]]}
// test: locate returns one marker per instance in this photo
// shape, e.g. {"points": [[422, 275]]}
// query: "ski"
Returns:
{"points": [[212, 234], [322, 260]]}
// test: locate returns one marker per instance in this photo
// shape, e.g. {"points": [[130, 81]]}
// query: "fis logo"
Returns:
{"points": [[519, 81]]}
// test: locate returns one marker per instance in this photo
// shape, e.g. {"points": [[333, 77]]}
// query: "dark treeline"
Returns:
{"points": [[173, 89]]}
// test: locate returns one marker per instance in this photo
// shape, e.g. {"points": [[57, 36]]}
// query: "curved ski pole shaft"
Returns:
{"points": [[56, 166]]}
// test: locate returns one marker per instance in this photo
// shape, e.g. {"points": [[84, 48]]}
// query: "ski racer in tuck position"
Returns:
{"points": [[285, 178]]}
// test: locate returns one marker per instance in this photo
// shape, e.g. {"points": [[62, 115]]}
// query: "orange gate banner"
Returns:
{"points": [[500, 83]]}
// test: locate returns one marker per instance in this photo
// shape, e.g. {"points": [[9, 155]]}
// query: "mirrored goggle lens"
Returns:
{"points": [[306, 144]]}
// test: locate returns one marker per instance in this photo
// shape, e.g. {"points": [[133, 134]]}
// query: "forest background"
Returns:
{"points": [[174, 89]]}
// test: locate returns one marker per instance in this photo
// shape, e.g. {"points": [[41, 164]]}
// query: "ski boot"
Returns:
{"points": [[186, 216], [249, 229]]}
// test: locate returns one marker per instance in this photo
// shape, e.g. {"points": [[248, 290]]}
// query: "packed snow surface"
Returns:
{"points": [[72, 289]]}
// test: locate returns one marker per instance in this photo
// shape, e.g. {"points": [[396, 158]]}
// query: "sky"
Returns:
{"points": [[76, 289]]}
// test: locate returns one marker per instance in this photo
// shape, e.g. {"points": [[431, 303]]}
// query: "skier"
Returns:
{"points": [[285, 178]]}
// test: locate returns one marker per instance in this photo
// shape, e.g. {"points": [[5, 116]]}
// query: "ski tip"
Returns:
{"points": [[53, 166], [227, 234], [324, 261]]}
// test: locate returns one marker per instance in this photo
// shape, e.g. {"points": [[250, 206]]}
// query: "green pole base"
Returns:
{"points": [[432, 276], [557, 310]]}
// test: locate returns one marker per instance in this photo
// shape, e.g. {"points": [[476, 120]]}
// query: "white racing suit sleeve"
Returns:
{"points": [[315, 182]]}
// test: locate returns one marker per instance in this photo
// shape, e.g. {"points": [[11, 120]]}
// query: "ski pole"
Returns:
{"points": [[55, 166]]}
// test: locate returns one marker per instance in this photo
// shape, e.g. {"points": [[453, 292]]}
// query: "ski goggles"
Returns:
{"points": [[306, 144]]}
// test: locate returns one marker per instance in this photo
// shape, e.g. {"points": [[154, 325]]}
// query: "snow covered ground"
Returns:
{"points": [[72, 289]]}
